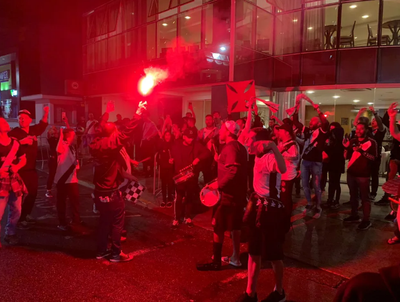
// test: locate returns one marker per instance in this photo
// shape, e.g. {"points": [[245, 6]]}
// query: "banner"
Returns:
{"points": [[239, 94]]}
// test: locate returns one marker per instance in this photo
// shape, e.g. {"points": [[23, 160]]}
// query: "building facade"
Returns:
{"points": [[286, 46]]}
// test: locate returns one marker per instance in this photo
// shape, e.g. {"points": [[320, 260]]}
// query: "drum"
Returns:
{"points": [[209, 197], [184, 175], [392, 187]]}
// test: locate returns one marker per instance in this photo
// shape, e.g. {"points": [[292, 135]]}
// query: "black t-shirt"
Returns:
{"points": [[314, 144], [29, 150], [232, 171], [4, 150]]}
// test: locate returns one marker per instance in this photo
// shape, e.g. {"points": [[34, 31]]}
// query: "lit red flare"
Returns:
{"points": [[153, 77]]}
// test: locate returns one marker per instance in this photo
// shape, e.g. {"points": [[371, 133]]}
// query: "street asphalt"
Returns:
{"points": [[51, 265]]}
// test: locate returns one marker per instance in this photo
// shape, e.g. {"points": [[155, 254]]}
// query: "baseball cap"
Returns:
{"points": [[287, 125], [232, 127], [24, 111], [190, 133]]}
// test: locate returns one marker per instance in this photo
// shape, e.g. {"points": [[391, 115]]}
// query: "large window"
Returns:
{"points": [[319, 28], [288, 33], [166, 36], [391, 22], [359, 24], [264, 32], [190, 29]]}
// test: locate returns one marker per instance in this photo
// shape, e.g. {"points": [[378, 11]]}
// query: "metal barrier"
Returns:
{"points": [[44, 147], [157, 191]]}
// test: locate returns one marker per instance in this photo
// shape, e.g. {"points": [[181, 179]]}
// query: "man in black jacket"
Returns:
{"points": [[184, 154]]}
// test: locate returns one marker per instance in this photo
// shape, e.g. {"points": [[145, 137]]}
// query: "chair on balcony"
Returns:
{"points": [[346, 40], [373, 41]]}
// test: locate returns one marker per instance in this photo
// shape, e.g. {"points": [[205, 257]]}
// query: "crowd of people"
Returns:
{"points": [[253, 168]]}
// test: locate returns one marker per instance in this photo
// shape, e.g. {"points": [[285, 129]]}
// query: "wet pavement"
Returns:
{"points": [[51, 265]]}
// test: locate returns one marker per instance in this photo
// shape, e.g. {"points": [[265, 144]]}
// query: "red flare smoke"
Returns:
{"points": [[153, 77]]}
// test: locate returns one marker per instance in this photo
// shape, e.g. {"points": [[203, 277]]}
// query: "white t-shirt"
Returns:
{"points": [[92, 128], [263, 168], [66, 158], [291, 157]]}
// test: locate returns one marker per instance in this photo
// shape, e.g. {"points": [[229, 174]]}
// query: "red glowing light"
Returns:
{"points": [[153, 77]]}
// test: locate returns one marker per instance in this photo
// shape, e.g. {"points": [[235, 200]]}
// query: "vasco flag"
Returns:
{"points": [[239, 94]]}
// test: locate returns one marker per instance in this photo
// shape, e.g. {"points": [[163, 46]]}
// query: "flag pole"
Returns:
{"points": [[232, 38]]}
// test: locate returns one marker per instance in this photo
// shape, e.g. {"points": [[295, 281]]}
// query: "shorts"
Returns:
{"points": [[267, 240], [227, 218]]}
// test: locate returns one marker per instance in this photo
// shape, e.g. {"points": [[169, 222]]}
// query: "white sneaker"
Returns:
{"points": [[317, 213], [48, 194]]}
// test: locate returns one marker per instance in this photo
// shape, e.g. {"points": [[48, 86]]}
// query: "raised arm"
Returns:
{"points": [[60, 146], [324, 121], [45, 117], [378, 119], [192, 111], [394, 130], [360, 112], [246, 129], [265, 146]]}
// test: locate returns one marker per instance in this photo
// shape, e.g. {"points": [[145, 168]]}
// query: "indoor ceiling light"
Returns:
{"points": [[320, 103], [353, 6], [187, 17], [295, 20], [356, 101], [310, 91], [370, 103], [310, 28], [164, 24], [365, 16], [222, 48], [336, 96]]}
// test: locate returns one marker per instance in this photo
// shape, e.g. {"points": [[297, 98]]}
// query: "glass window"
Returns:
{"points": [[217, 26], [264, 34], [287, 5], [130, 12], [114, 51], [288, 33], [359, 24], [391, 22], [264, 5], [389, 65], [357, 66], [245, 25], [319, 29], [100, 54], [190, 28], [151, 41], [190, 4], [166, 36], [319, 68]]}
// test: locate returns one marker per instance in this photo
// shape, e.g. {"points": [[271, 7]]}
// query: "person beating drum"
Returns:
{"points": [[228, 214]]}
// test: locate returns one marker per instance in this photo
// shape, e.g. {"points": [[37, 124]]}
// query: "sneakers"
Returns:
{"points": [[246, 298], [63, 228], [212, 266], [352, 219], [103, 255], [175, 224], [169, 204], [364, 225], [11, 239], [335, 205], [162, 205], [95, 209], [391, 216], [48, 194], [23, 225], [275, 296], [317, 213], [30, 219], [122, 257], [308, 209], [382, 202], [188, 222]]}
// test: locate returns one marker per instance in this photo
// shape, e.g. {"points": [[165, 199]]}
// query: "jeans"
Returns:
{"points": [[324, 176], [112, 216], [30, 179], [70, 190], [167, 184], [334, 185], [359, 186], [14, 204], [375, 175], [313, 169]]}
